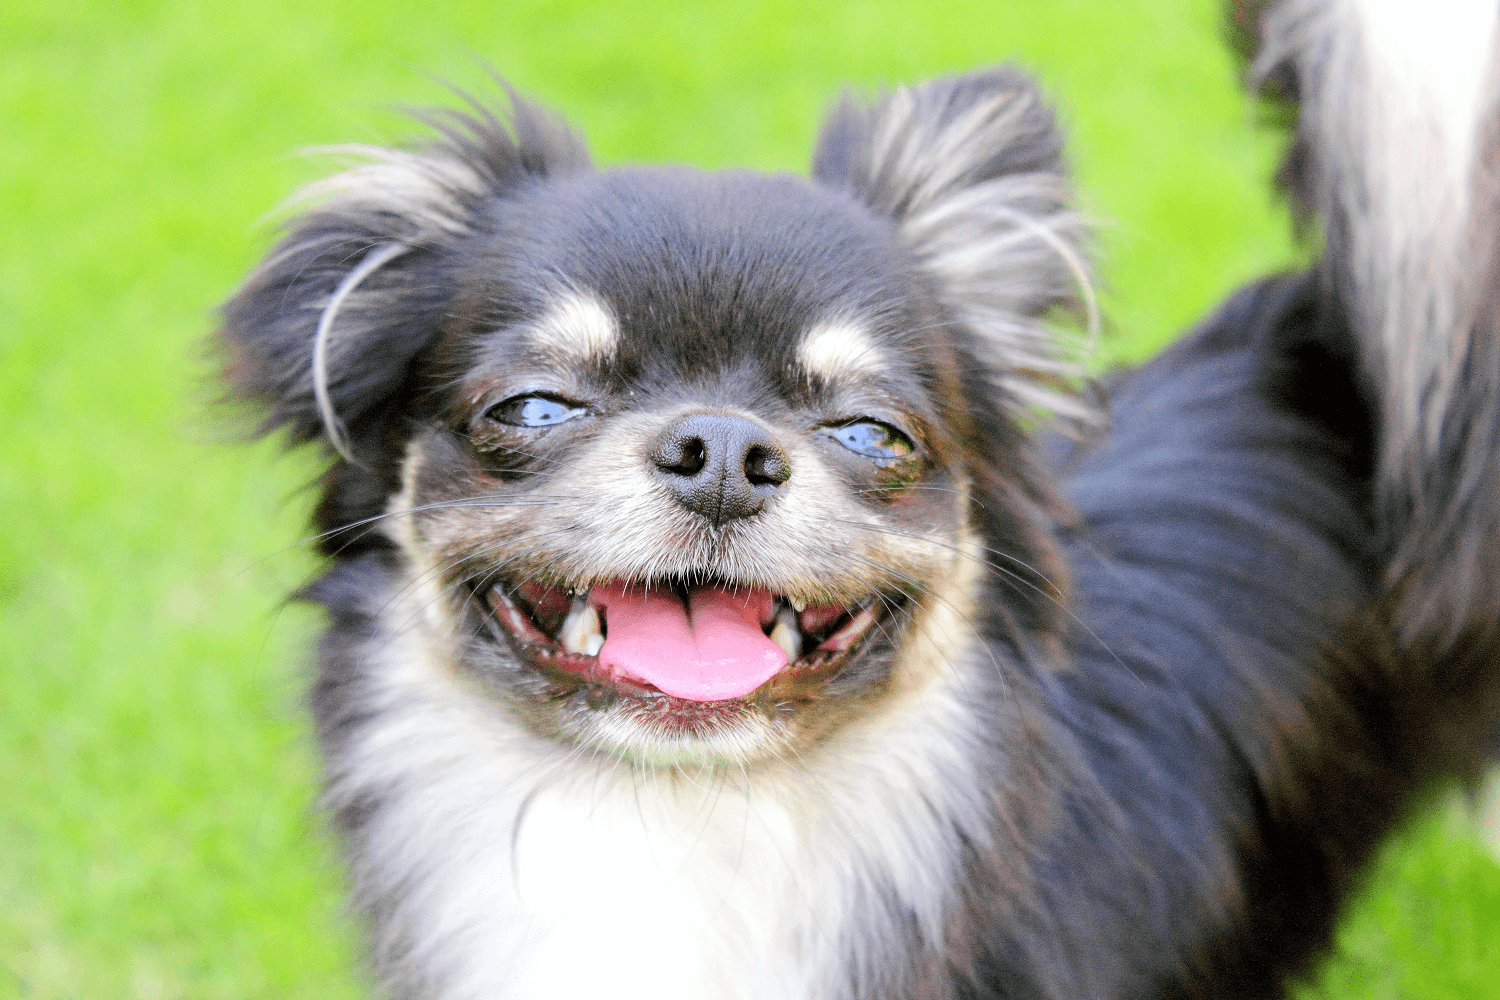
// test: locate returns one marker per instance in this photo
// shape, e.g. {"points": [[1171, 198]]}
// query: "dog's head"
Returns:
{"points": [[694, 465]]}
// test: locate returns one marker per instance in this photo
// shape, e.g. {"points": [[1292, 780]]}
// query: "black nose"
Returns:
{"points": [[719, 466]]}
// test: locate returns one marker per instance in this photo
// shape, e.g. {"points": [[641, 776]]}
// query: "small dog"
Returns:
{"points": [[710, 618]]}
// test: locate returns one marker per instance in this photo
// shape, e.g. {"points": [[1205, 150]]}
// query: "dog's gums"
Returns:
{"points": [[698, 642]]}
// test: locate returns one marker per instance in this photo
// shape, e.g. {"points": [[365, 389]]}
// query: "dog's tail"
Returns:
{"points": [[1397, 155]]}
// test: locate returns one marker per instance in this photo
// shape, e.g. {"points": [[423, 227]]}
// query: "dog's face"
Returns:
{"points": [[688, 464], [693, 478]]}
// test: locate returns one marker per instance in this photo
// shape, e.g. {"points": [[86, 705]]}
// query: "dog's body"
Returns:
{"points": [[1006, 826], [704, 628]]}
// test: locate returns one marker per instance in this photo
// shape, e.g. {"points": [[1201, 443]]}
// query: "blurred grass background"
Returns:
{"points": [[157, 838]]}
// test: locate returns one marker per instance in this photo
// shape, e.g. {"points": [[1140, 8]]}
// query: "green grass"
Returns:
{"points": [[1427, 923], [157, 833]]}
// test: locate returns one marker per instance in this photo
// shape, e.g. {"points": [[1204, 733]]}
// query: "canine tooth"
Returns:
{"points": [[785, 634], [798, 605], [580, 629]]}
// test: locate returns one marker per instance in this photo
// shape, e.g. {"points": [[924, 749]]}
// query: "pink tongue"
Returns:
{"points": [[712, 651]]}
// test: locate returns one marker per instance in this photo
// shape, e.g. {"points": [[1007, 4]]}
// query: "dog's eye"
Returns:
{"points": [[534, 411], [872, 439]]}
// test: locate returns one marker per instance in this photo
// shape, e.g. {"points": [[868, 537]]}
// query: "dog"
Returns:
{"points": [[715, 611]]}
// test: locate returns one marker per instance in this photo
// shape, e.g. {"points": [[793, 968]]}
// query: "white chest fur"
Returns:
{"points": [[661, 890], [497, 864]]}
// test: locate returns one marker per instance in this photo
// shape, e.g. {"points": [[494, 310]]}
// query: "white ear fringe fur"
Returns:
{"points": [[338, 437]]}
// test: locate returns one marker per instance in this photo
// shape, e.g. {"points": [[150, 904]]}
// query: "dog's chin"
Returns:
{"points": [[783, 662]]}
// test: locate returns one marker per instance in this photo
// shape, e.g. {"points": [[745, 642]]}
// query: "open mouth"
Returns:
{"points": [[694, 642]]}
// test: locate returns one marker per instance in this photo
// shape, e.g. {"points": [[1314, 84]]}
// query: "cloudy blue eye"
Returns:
{"points": [[534, 411], [872, 439]]}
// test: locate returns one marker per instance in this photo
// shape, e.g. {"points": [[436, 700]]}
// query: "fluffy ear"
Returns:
{"points": [[971, 171], [324, 332]]}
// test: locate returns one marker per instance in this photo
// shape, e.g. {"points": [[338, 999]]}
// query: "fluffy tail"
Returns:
{"points": [[1397, 154]]}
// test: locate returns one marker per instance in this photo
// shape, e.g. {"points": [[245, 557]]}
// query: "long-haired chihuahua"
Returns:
{"points": [[715, 610]]}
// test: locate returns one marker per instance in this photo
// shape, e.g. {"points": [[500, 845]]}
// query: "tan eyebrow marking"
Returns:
{"points": [[839, 347], [578, 326]]}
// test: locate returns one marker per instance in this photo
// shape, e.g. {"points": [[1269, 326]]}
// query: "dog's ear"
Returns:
{"points": [[324, 332], [971, 171]]}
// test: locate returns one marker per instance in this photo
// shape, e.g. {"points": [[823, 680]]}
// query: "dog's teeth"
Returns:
{"points": [[580, 630], [798, 606], [785, 634]]}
